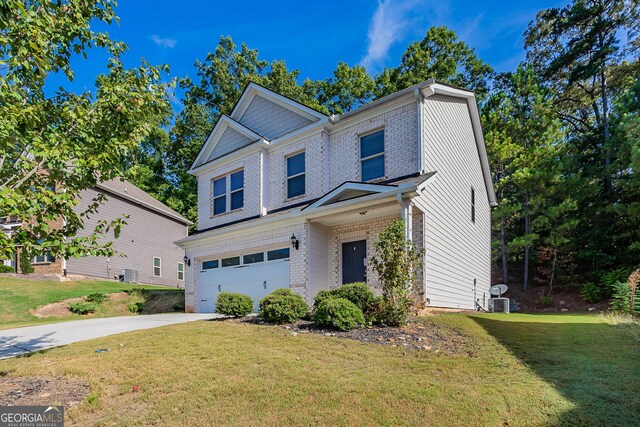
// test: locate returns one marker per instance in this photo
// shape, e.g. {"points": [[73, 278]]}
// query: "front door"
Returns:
{"points": [[353, 262]]}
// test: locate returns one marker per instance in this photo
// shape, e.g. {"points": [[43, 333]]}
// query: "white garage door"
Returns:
{"points": [[256, 274]]}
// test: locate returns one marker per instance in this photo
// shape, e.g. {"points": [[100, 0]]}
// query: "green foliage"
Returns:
{"points": [[590, 292], [547, 301], [337, 313], [135, 306], [620, 298], [83, 307], [6, 269], [233, 304], [396, 260], [610, 279], [24, 262], [66, 139], [321, 296], [282, 306], [358, 293], [97, 297]]}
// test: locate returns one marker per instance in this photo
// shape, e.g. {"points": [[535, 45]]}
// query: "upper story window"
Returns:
{"points": [[156, 266], [295, 175], [228, 192], [372, 155]]}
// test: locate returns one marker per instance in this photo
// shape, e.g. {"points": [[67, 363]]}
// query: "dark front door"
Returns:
{"points": [[353, 267]]}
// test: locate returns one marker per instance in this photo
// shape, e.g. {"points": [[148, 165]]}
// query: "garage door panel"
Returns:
{"points": [[254, 280]]}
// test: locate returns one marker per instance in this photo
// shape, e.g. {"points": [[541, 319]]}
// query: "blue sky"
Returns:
{"points": [[310, 36]]}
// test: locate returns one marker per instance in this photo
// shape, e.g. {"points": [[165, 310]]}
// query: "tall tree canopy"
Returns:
{"points": [[52, 146]]}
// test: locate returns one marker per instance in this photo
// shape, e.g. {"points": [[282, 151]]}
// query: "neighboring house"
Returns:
{"points": [[147, 240], [290, 197], [7, 226]]}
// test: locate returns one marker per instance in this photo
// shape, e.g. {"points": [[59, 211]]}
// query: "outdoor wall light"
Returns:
{"points": [[187, 261], [295, 242]]}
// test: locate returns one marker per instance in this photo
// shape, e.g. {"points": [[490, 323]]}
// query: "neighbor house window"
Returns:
{"points": [[473, 205], [228, 193], [156, 266], [180, 271], [208, 265], [253, 258], [278, 254], [372, 155], [295, 175], [46, 257], [230, 262]]}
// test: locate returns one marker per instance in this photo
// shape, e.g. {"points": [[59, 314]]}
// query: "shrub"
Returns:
{"points": [[547, 301], [135, 306], [621, 298], [97, 297], [610, 279], [233, 304], [83, 307], [590, 292], [282, 306], [25, 263], [6, 269], [338, 313], [321, 296], [393, 313], [358, 293]]}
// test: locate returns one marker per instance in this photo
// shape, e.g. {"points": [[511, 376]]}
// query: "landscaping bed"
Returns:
{"points": [[419, 335], [25, 391]]}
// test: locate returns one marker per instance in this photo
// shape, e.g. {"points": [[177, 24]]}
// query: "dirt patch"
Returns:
{"points": [[418, 335], [562, 301], [163, 301], [21, 391], [61, 308]]}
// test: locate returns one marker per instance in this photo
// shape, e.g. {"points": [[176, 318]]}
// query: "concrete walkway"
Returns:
{"points": [[19, 341]]}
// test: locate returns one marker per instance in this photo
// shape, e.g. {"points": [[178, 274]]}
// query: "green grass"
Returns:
{"points": [[18, 296], [525, 370]]}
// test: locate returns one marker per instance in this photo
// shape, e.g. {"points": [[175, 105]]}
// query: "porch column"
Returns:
{"points": [[407, 216]]}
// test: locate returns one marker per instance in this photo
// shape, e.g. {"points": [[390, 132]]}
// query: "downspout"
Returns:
{"points": [[264, 188], [420, 156]]}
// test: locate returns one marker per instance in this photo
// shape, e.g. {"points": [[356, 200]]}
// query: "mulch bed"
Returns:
{"points": [[418, 335], [25, 391]]}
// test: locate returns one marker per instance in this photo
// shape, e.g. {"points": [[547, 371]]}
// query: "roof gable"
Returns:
{"points": [[227, 136], [271, 114]]}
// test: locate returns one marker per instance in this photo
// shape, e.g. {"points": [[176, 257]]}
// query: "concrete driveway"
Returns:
{"points": [[19, 341]]}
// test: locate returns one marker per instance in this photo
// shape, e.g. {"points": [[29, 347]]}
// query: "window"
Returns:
{"points": [[230, 262], [228, 193], [473, 205], [156, 266], [278, 254], [180, 271], [372, 155], [208, 265], [295, 175], [46, 257], [253, 258]]}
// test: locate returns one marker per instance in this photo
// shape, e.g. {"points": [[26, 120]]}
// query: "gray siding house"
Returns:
{"points": [[290, 197], [146, 241]]}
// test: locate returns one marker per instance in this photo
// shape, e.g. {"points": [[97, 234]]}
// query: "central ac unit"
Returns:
{"points": [[130, 275], [499, 305]]}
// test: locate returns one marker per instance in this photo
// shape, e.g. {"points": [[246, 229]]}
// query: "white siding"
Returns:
{"points": [[457, 250], [318, 259], [230, 140], [270, 119]]}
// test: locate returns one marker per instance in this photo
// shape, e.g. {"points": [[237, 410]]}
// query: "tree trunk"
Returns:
{"points": [[553, 269], [527, 229], [503, 250]]}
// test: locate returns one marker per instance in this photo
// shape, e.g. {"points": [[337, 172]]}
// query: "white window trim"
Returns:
{"points": [[382, 153], [227, 193], [296, 175], [178, 275], [159, 267]]}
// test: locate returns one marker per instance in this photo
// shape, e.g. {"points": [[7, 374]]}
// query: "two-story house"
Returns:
{"points": [[290, 197]]}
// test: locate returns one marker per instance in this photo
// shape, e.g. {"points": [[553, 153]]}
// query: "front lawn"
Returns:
{"points": [[519, 370], [18, 296]]}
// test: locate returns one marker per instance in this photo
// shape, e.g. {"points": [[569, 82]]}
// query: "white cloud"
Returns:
{"points": [[163, 42], [388, 26]]}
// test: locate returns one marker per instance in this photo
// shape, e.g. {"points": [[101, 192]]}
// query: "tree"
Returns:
{"points": [[441, 56], [52, 147], [575, 47], [349, 88], [523, 133]]}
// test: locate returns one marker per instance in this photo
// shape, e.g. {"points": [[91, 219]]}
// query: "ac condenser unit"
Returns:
{"points": [[130, 275], [499, 305]]}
